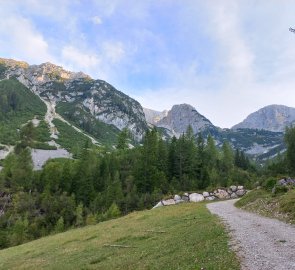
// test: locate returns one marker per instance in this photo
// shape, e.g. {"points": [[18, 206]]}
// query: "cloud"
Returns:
{"points": [[76, 58], [96, 20], [113, 51], [21, 40]]}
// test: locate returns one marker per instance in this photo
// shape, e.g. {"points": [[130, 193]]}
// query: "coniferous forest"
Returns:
{"points": [[97, 186]]}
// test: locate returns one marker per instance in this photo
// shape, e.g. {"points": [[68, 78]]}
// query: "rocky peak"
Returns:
{"points": [[272, 118], [181, 116], [13, 63]]}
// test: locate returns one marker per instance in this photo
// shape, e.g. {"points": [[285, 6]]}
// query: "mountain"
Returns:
{"points": [[94, 106], [153, 117], [258, 143], [178, 119], [272, 118]]}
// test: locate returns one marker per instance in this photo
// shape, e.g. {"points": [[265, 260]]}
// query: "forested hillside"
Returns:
{"points": [[98, 186]]}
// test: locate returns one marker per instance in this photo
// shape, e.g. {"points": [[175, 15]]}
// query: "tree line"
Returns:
{"points": [[98, 186]]}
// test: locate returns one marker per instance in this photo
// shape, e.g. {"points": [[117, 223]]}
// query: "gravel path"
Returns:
{"points": [[261, 243]]}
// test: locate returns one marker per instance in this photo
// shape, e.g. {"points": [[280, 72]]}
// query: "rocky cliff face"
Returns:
{"points": [[180, 117], [272, 118], [82, 95], [153, 117]]}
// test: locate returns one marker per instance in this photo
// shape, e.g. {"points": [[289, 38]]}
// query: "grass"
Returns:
{"points": [[192, 239], [104, 133], [18, 105], [69, 138], [280, 206]]}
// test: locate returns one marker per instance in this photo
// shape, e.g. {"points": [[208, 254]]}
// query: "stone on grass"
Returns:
{"points": [[196, 197], [206, 194], [240, 187], [177, 197], [168, 202], [159, 204], [241, 192]]}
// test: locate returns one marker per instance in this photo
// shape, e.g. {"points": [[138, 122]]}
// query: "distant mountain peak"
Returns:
{"points": [[272, 118], [178, 119]]}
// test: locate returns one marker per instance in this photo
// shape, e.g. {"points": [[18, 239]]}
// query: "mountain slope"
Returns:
{"points": [[184, 236], [273, 118], [95, 99]]}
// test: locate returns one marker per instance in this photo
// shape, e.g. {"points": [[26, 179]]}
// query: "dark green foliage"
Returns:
{"points": [[69, 138], [96, 187], [18, 105], [107, 134], [290, 155]]}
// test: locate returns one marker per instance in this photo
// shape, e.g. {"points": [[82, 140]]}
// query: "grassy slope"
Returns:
{"points": [[262, 202], [29, 105], [106, 134], [193, 239]]}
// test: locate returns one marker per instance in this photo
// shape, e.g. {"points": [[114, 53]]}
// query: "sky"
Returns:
{"points": [[227, 58]]}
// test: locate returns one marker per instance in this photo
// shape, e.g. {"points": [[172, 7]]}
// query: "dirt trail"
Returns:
{"points": [[261, 243]]}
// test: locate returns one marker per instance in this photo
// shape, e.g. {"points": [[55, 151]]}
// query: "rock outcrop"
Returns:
{"points": [[232, 192]]}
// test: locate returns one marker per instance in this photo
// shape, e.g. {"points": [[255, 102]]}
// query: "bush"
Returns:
{"points": [[269, 184]]}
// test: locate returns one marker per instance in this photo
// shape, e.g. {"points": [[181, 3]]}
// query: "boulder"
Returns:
{"points": [[177, 198], [159, 204], [210, 198], [206, 194], [196, 197], [222, 194], [233, 196], [233, 188], [179, 201], [168, 202], [229, 191], [185, 198], [240, 187], [241, 192]]}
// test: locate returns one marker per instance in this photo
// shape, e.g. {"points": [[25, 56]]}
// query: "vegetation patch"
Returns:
{"points": [[186, 245], [18, 105], [280, 206]]}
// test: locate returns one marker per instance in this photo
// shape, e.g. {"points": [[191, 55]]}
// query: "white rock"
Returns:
{"points": [[240, 187], [210, 198], [168, 202], [206, 194], [222, 194], [241, 192], [195, 197], [233, 196], [177, 198], [233, 188], [159, 204]]}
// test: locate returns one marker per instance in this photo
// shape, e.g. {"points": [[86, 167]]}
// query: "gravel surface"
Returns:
{"points": [[261, 243]]}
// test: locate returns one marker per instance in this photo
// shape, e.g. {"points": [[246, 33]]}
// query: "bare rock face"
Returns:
{"points": [[153, 117], [272, 118], [178, 119]]}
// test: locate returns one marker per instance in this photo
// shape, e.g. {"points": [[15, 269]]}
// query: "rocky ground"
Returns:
{"points": [[261, 243]]}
